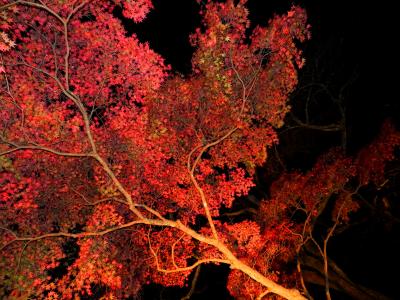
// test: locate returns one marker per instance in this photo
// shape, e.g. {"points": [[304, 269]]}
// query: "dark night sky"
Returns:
{"points": [[359, 38]]}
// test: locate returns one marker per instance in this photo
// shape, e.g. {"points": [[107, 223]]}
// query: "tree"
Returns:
{"points": [[104, 149], [322, 202]]}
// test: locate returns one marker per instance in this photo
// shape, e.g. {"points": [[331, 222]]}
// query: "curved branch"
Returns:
{"points": [[71, 235], [173, 250], [196, 184], [75, 99], [9, 231], [98, 201], [118, 184], [231, 259], [329, 127], [183, 269], [191, 168], [68, 49], [152, 211], [36, 5], [262, 295], [45, 149], [193, 285], [240, 212]]}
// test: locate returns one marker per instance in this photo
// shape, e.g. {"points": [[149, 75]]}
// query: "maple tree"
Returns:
{"points": [[102, 145]]}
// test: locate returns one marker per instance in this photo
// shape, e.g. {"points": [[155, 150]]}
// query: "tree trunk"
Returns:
{"points": [[313, 266]]}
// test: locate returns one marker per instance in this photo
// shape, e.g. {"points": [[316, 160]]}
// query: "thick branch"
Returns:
{"points": [[231, 259]]}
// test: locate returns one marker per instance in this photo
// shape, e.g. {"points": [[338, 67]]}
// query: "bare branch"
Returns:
{"points": [[329, 127], [196, 184], [33, 4], [183, 269], [173, 250], [240, 212], [98, 201], [72, 235], [46, 149], [262, 295], [193, 284]]}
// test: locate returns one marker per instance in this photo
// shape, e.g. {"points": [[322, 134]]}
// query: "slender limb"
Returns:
{"points": [[193, 284], [11, 94], [9, 231], [33, 4], [262, 295], [183, 269], [151, 211], [89, 203], [119, 185], [45, 149], [196, 184], [20, 255], [329, 127], [173, 250], [325, 251], [67, 47], [300, 271], [191, 168], [240, 212]]}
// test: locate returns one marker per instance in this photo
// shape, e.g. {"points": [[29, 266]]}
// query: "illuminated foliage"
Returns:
{"points": [[103, 146]]}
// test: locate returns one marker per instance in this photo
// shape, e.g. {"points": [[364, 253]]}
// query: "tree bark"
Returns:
{"points": [[313, 266]]}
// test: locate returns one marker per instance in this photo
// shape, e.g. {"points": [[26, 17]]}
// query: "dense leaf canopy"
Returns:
{"points": [[103, 147]]}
